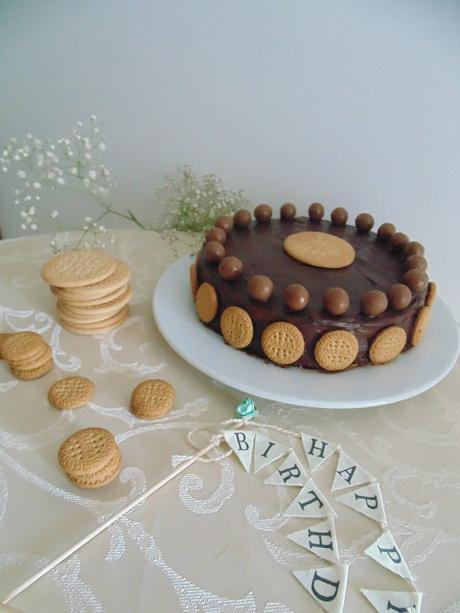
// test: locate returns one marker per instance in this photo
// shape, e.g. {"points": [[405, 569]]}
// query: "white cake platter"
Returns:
{"points": [[412, 373]]}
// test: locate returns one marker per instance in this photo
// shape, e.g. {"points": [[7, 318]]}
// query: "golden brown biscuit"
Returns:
{"points": [[387, 345], [97, 328], [100, 477], [319, 249], [32, 373], [421, 324], [431, 294], [78, 268], [86, 302], [236, 327], [3, 337], [71, 393], [193, 280], [336, 350], [206, 302], [117, 279], [35, 362], [22, 346], [282, 343], [105, 308], [152, 399], [87, 451]]}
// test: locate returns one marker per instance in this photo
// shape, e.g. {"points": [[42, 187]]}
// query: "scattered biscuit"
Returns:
{"points": [[236, 327], [206, 302], [387, 345], [336, 350], [32, 373], [282, 343], [71, 393], [152, 399], [88, 452]]}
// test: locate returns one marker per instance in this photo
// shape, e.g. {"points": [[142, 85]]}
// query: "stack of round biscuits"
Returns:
{"points": [[90, 457], [92, 290], [27, 354]]}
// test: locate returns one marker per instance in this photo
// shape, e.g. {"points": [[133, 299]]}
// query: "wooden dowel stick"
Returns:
{"points": [[46, 569]]}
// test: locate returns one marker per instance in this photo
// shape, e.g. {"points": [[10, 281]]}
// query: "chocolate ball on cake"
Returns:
{"points": [[415, 248], [399, 240], [374, 303], [416, 280], [216, 234], [214, 252], [385, 231], [364, 222], [296, 297], [288, 211], [242, 218], [225, 222], [263, 213], [416, 261], [399, 296], [316, 211], [339, 216], [336, 301], [260, 287], [230, 268]]}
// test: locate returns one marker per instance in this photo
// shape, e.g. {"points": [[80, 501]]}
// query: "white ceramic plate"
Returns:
{"points": [[412, 373]]}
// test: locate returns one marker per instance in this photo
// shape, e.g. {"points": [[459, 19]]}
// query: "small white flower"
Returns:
{"points": [[16, 158], [88, 219], [16, 202], [51, 175], [49, 154], [17, 192], [21, 174], [87, 156], [23, 226], [40, 160], [60, 180], [5, 169], [74, 170], [37, 197], [79, 124], [96, 130], [32, 210], [23, 214], [29, 136], [54, 214], [33, 226], [37, 185], [102, 146], [86, 181], [93, 118], [28, 198], [102, 228], [92, 174]]}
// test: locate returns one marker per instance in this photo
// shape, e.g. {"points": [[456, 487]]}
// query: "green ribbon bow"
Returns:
{"points": [[246, 409]]}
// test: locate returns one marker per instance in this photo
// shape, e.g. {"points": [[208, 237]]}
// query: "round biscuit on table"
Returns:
{"points": [[35, 362], [87, 451], [118, 278], [3, 337], [30, 374], [109, 307], [78, 268], [336, 350], [100, 327], [71, 393], [101, 477], [152, 399], [75, 300]]}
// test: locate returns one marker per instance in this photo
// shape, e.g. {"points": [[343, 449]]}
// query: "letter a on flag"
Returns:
{"points": [[386, 552], [320, 539], [310, 502], [316, 450], [327, 586], [349, 474], [291, 472], [385, 602], [242, 443], [366, 500], [266, 451]]}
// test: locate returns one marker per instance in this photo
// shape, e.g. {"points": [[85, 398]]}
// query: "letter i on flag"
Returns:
{"points": [[386, 552], [402, 602], [267, 451], [316, 450], [327, 586], [349, 473], [291, 472], [242, 443], [320, 539]]}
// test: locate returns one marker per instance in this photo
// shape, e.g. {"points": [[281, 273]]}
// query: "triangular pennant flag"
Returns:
{"points": [[310, 503], [320, 539], [316, 450], [349, 473], [242, 443], [386, 552], [405, 602], [266, 451], [291, 472], [327, 585], [366, 500]]}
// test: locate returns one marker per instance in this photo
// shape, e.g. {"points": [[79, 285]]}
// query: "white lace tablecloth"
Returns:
{"points": [[214, 538]]}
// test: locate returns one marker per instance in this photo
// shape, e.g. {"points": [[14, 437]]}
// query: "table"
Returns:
{"points": [[214, 538]]}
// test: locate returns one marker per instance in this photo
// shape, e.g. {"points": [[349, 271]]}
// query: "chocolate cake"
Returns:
{"points": [[295, 280]]}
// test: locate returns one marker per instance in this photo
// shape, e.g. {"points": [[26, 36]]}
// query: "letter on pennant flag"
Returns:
{"points": [[266, 451], [320, 539], [386, 552], [366, 500], [327, 586], [310, 502], [402, 602], [316, 450], [242, 443], [291, 472], [349, 473]]}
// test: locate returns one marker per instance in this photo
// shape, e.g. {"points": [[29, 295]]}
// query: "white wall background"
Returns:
{"points": [[353, 103]]}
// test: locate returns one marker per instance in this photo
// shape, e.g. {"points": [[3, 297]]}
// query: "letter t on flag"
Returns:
{"points": [[241, 442]]}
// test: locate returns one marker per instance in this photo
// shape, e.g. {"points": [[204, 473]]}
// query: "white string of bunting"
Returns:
{"points": [[327, 585]]}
